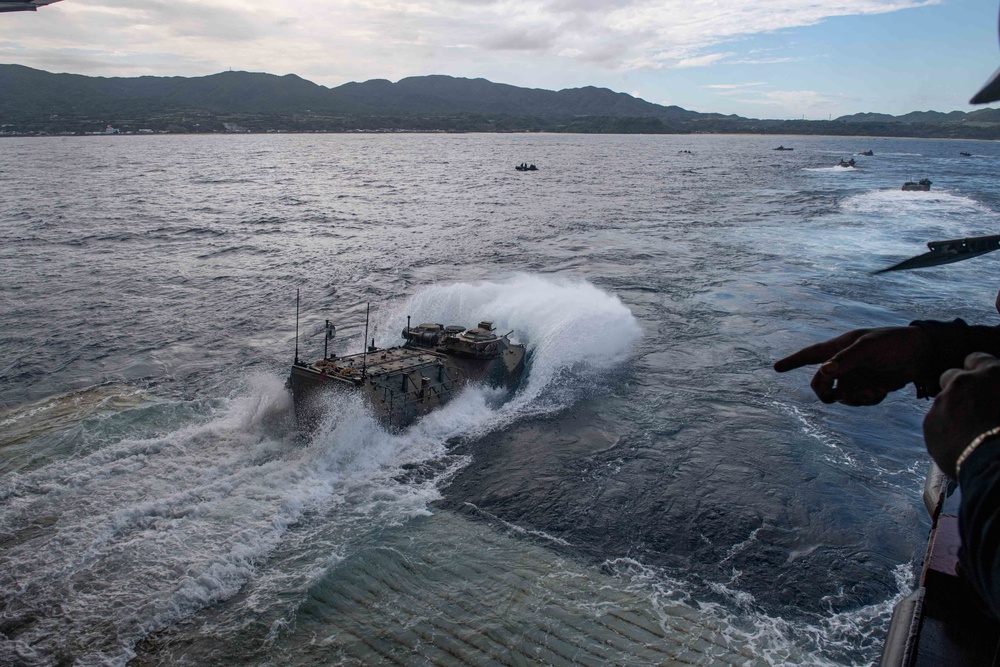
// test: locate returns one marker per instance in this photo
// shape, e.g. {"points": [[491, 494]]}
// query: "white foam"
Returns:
{"points": [[877, 228], [896, 203], [519, 530], [737, 548], [147, 532], [835, 169], [568, 324], [774, 640], [838, 452], [142, 533]]}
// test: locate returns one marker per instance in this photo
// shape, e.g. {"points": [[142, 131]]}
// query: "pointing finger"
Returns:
{"points": [[818, 353], [814, 354]]}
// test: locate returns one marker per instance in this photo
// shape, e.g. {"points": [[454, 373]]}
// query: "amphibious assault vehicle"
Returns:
{"points": [[923, 185], [402, 383]]}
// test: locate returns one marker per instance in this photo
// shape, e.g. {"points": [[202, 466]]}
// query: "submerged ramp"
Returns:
{"points": [[448, 591]]}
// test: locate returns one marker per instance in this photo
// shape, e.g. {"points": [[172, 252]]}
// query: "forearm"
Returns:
{"points": [[950, 343]]}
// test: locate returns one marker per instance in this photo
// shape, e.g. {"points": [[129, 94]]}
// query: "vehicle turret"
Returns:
{"points": [[425, 335]]}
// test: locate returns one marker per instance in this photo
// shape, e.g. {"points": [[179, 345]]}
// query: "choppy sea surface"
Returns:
{"points": [[652, 492]]}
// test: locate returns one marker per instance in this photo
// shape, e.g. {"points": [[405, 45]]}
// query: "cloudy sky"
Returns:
{"points": [[757, 58]]}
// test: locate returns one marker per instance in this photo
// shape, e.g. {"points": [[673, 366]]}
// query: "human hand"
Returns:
{"points": [[861, 367], [968, 405]]}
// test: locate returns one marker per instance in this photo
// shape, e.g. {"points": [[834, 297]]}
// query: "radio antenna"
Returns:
{"points": [[364, 358], [296, 327]]}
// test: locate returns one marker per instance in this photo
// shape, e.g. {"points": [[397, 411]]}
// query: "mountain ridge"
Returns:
{"points": [[36, 101]]}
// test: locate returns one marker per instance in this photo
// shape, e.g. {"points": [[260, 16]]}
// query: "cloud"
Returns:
{"points": [[761, 61], [702, 61], [786, 103], [735, 86], [687, 33], [789, 103], [521, 40], [173, 19], [355, 39], [726, 88]]}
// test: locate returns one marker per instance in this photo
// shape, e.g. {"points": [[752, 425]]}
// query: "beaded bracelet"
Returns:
{"points": [[978, 440]]}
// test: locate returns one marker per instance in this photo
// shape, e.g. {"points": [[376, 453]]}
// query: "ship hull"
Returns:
{"points": [[401, 383]]}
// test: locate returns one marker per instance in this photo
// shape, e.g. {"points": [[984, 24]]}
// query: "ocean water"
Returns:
{"points": [[652, 492]]}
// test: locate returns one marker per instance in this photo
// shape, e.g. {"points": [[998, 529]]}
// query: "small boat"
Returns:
{"points": [[964, 154], [867, 153], [846, 163], [404, 382], [526, 167], [923, 185], [782, 148]]}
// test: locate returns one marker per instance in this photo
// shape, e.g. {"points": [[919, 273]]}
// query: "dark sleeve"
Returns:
{"points": [[951, 343], [979, 521]]}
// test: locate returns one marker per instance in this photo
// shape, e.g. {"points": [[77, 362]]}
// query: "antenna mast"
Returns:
{"points": [[296, 327], [364, 358]]}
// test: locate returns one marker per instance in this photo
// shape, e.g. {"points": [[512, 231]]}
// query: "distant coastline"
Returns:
{"points": [[38, 103], [44, 135]]}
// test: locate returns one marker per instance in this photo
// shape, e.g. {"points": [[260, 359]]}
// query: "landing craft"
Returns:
{"points": [[923, 185], [23, 5], [404, 382]]}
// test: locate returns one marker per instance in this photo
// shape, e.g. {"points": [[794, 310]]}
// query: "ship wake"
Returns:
{"points": [[217, 507]]}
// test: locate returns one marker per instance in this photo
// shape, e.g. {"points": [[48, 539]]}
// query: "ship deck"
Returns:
{"points": [[379, 362]]}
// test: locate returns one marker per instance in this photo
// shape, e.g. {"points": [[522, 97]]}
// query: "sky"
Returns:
{"points": [[813, 59]]}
